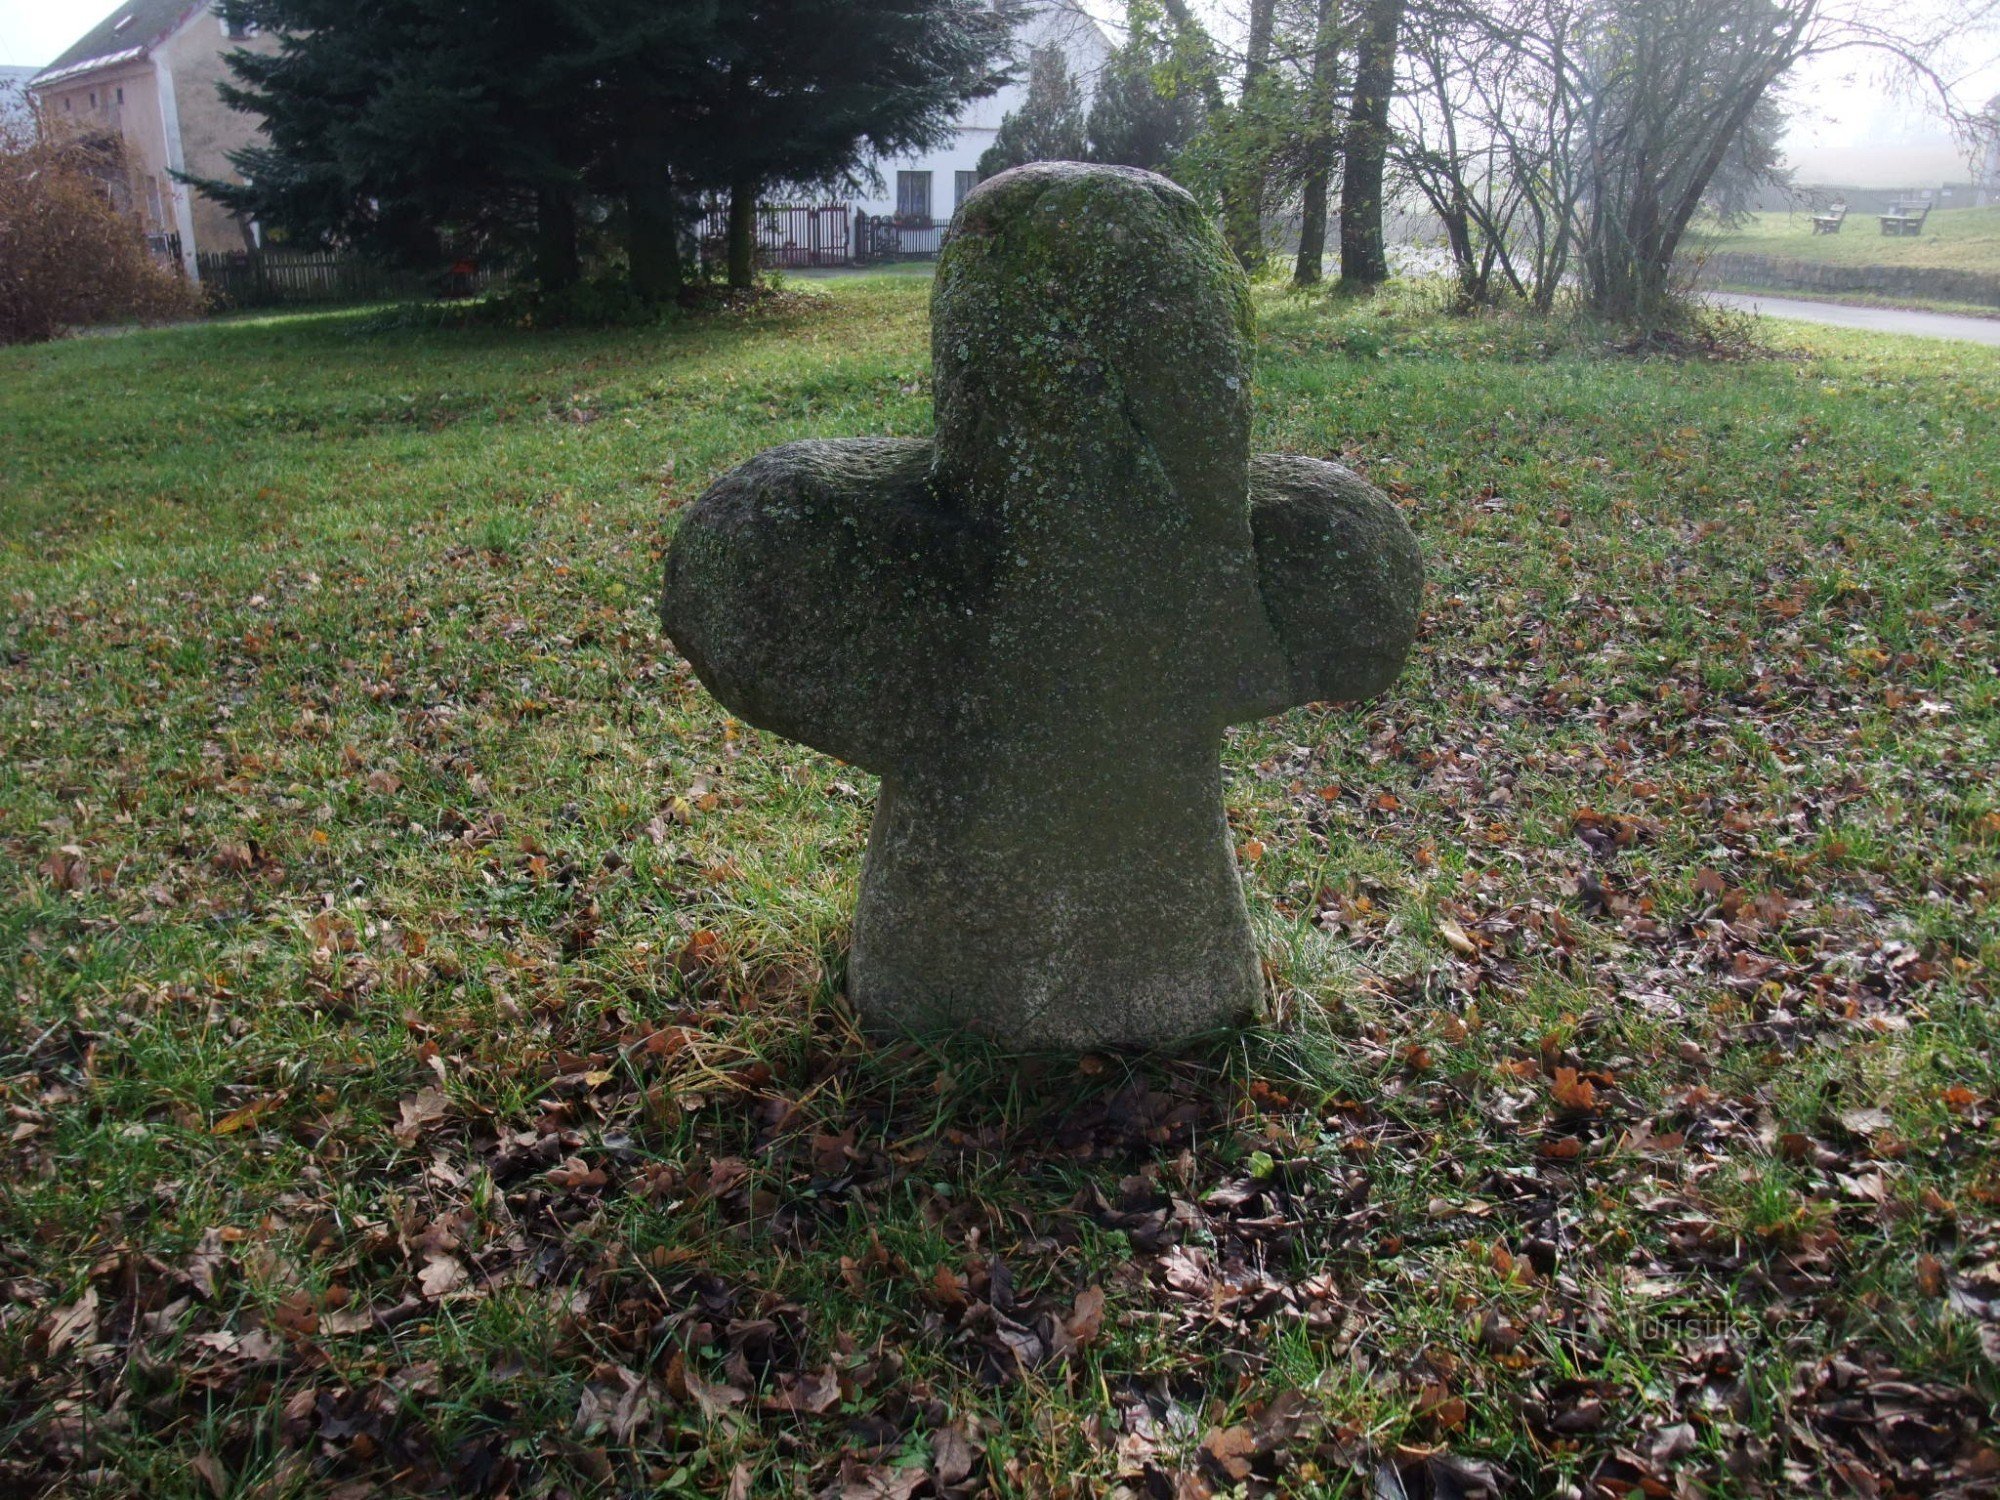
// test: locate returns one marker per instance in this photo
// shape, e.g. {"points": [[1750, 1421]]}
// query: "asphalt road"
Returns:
{"points": [[1924, 325]]}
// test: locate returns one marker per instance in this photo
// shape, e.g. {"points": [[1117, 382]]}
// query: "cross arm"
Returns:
{"points": [[1341, 578], [819, 589]]}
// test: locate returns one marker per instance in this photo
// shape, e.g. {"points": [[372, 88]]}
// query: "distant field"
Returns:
{"points": [[1959, 239]]}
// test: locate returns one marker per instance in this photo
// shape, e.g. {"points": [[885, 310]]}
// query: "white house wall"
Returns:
{"points": [[1086, 50]]}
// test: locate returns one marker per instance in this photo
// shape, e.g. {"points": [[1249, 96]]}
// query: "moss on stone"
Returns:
{"points": [[1037, 627]]}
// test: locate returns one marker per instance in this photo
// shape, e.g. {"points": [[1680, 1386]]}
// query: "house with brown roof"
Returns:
{"points": [[148, 73]]}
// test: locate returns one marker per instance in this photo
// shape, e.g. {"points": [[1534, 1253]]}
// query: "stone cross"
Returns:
{"points": [[1036, 626]]}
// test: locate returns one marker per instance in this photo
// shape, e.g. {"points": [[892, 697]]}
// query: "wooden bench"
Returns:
{"points": [[1830, 221], [1902, 220]]}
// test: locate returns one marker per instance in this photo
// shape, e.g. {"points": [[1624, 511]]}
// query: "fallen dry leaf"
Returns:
{"points": [[874, 1482], [1084, 1323], [249, 1114], [811, 1394], [67, 869], [1231, 1449], [952, 1455], [1573, 1092], [426, 1107], [685, 1385], [1865, 1121], [441, 1274], [75, 1324], [1457, 936], [233, 858]]}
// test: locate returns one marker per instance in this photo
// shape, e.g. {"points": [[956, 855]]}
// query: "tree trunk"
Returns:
{"points": [[557, 264], [1310, 265], [653, 247], [652, 207], [1458, 235], [1364, 261], [1257, 51], [1243, 209], [652, 239], [742, 234]]}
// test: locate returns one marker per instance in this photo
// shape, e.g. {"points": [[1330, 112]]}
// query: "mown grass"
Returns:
{"points": [[1958, 239], [427, 1067]]}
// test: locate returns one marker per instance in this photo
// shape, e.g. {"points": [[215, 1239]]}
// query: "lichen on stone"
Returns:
{"points": [[1037, 626]]}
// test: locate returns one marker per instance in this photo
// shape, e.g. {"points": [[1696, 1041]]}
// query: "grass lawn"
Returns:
{"points": [[1958, 239], [427, 1068]]}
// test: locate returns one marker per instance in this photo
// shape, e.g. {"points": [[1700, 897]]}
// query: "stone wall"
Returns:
{"points": [[1780, 275]]}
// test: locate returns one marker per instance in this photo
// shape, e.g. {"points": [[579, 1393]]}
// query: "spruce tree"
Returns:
{"points": [[393, 124], [809, 89], [1132, 123], [1049, 125], [1755, 161]]}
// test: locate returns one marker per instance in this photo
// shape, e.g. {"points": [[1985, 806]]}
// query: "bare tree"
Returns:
{"points": [[1667, 90], [1668, 85], [1474, 202], [1560, 139], [1490, 136]]}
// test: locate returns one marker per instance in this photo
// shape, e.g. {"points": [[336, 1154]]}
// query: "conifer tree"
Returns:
{"points": [[809, 89], [394, 123], [1049, 125], [1132, 123], [391, 125]]}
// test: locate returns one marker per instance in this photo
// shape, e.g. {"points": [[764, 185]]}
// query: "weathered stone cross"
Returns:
{"points": [[1036, 627]]}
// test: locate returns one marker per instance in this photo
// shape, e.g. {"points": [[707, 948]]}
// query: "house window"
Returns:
{"points": [[962, 183], [913, 195], [121, 95], [236, 29], [93, 98]]}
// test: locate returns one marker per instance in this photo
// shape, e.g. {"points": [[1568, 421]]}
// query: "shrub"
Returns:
{"points": [[68, 257]]}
